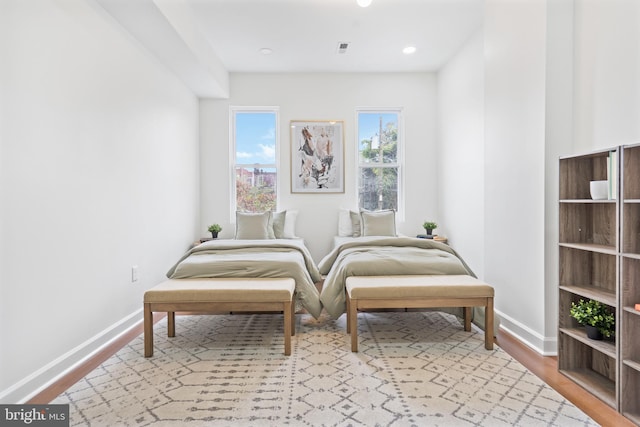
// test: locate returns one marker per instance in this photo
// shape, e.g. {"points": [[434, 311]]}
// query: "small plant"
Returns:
{"points": [[595, 314], [428, 225], [215, 228]]}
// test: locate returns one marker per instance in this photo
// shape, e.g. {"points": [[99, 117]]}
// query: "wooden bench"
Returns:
{"points": [[376, 292], [219, 295]]}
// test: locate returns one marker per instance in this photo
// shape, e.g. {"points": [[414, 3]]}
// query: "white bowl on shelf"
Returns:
{"points": [[599, 190]]}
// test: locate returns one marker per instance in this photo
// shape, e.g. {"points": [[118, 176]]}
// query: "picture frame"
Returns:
{"points": [[317, 156]]}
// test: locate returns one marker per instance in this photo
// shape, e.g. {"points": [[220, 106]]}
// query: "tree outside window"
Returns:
{"points": [[256, 178], [379, 166]]}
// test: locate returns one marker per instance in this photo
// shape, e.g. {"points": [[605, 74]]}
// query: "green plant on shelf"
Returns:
{"points": [[429, 226], [596, 314], [214, 229]]}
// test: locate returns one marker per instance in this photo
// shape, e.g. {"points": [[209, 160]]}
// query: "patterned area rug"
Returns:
{"points": [[413, 369]]}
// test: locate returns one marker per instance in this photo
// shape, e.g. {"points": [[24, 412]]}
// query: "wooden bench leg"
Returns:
{"points": [[488, 324], [148, 331], [293, 319], [171, 324], [348, 303], [287, 328], [352, 324], [467, 318]]}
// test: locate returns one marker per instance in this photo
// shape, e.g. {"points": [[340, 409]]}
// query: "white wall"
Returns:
{"points": [[99, 172], [607, 70], [558, 142], [593, 99], [561, 77], [324, 97], [461, 152], [514, 37]]}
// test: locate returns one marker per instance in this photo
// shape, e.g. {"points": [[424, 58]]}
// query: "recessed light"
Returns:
{"points": [[409, 50], [266, 51], [364, 3]]}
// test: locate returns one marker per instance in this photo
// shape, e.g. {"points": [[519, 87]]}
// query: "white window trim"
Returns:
{"points": [[400, 214], [232, 152]]}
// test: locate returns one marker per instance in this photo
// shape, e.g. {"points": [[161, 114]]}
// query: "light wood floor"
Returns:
{"points": [[545, 367]]}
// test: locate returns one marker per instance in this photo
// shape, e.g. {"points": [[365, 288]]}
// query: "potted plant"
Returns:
{"points": [[429, 226], [596, 317], [214, 229]]}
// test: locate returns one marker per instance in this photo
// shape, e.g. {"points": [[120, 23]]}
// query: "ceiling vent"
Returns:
{"points": [[342, 47]]}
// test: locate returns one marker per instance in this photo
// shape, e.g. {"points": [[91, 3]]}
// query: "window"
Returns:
{"points": [[379, 154], [255, 170]]}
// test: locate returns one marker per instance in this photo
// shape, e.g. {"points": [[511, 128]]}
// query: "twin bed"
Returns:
{"points": [[368, 268], [382, 256], [255, 258], [264, 253]]}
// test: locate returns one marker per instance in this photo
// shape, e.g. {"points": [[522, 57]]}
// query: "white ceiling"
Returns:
{"points": [[304, 34], [202, 41]]}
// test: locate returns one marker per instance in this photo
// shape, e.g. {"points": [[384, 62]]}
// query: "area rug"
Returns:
{"points": [[413, 369]]}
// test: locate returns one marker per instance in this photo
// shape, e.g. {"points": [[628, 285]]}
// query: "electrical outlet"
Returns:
{"points": [[134, 274]]}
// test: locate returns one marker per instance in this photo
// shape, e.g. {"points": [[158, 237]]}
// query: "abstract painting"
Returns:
{"points": [[317, 156]]}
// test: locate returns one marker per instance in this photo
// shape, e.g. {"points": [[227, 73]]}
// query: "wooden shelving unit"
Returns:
{"points": [[600, 259], [589, 243], [630, 284]]}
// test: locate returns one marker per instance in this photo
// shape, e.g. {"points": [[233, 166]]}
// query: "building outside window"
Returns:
{"points": [[379, 159], [254, 152]]}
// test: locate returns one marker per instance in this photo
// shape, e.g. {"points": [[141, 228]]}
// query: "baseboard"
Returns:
{"points": [[546, 346], [31, 385]]}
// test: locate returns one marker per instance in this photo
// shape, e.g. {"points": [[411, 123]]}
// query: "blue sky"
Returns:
{"points": [[256, 138], [369, 123]]}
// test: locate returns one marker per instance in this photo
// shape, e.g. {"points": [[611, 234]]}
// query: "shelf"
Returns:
{"points": [[603, 249], [590, 223], [594, 293], [576, 173], [630, 346], [630, 183], [596, 384], [589, 201], [632, 364], [586, 156], [630, 387], [605, 347], [599, 259], [629, 279], [588, 271], [631, 310]]}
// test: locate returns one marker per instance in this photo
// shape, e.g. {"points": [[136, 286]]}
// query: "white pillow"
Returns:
{"points": [[345, 229], [289, 231], [250, 226], [356, 223], [276, 225], [378, 223]]}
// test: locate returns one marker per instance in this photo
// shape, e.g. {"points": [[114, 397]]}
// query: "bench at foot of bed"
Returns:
{"points": [[371, 292], [210, 295]]}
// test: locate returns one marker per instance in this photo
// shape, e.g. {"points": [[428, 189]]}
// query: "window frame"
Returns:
{"points": [[400, 161], [233, 111]]}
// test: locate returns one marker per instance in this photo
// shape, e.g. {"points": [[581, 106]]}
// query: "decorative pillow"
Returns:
{"points": [[252, 225], [378, 223], [345, 228], [356, 223], [276, 225], [289, 231]]}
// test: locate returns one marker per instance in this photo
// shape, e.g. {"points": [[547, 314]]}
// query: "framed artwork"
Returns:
{"points": [[317, 156]]}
